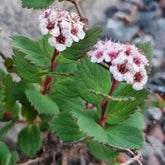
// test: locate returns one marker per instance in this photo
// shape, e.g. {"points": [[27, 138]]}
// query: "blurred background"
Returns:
{"points": [[123, 20]]}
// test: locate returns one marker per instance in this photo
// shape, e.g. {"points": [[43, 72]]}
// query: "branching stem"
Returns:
{"points": [[104, 104]]}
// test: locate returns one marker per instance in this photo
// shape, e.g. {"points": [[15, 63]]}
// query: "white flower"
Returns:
{"points": [[55, 32], [77, 33], [112, 50], [116, 74], [97, 56], [45, 14], [60, 42], [140, 79], [43, 27]]}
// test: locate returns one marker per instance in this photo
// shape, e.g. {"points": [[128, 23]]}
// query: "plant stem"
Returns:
{"points": [[47, 82], [136, 158], [104, 104], [2, 55]]}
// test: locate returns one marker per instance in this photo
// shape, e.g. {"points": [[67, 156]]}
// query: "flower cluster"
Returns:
{"points": [[125, 61], [63, 27]]}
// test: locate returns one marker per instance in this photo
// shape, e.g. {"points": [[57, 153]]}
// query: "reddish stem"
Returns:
{"points": [[48, 80], [104, 104]]}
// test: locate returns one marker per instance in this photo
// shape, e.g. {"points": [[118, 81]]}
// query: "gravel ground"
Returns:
{"points": [[148, 18]]}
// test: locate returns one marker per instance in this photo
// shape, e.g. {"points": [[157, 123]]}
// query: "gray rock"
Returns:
{"points": [[152, 160], [155, 113], [14, 20], [156, 82], [118, 31], [12, 134], [155, 26], [160, 39], [153, 147], [144, 18], [158, 56], [146, 38]]}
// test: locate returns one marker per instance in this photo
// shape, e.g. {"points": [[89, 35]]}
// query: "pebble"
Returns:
{"points": [[160, 39], [162, 3], [155, 113], [155, 26], [157, 132], [118, 31], [155, 146], [144, 18], [158, 56], [146, 38], [153, 160]]}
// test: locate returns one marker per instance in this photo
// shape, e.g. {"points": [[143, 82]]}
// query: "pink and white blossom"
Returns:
{"points": [[97, 54], [61, 41], [63, 27], [140, 79], [125, 61]]}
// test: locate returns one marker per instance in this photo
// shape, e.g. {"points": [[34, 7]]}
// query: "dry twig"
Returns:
{"points": [[136, 158], [2, 55], [80, 13]]}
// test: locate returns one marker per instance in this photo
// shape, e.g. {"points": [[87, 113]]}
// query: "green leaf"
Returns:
{"points": [[7, 127], [64, 86], [92, 113], [67, 88], [14, 157], [68, 104], [30, 140], [1, 100], [36, 4], [29, 113], [135, 120], [42, 103], [119, 111], [147, 49], [65, 127], [27, 71], [160, 101], [102, 152], [2, 75], [14, 111], [32, 50], [64, 80], [66, 68], [9, 64], [65, 103], [91, 76], [4, 154], [44, 124], [61, 59], [80, 48], [45, 46], [89, 126], [19, 92], [127, 134], [9, 98]]}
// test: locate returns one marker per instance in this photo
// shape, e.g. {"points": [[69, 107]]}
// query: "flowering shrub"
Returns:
{"points": [[71, 83]]}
